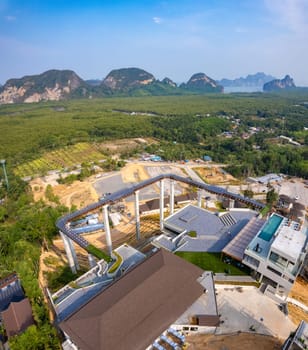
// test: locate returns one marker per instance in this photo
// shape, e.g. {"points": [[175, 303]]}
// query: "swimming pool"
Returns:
{"points": [[270, 227]]}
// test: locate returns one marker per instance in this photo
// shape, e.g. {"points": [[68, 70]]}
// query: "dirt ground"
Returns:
{"points": [[296, 314], [49, 261], [115, 147], [134, 173], [78, 193], [231, 342], [215, 175], [38, 187], [300, 293]]}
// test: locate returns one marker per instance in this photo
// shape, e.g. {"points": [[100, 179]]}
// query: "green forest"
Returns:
{"points": [[241, 130]]}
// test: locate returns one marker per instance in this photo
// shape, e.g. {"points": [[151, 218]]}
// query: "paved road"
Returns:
{"points": [[194, 176]]}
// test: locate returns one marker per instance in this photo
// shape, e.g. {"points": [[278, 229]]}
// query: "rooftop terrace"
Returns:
{"points": [[290, 242]]}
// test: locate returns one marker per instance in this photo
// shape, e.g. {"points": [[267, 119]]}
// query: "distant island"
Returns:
{"points": [[286, 83], [251, 83]]}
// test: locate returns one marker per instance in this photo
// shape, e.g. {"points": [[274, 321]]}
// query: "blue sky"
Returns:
{"points": [[174, 38]]}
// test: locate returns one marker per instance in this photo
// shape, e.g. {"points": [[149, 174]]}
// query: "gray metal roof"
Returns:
{"points": [[10, 291], [237, 246], [193, 218]]}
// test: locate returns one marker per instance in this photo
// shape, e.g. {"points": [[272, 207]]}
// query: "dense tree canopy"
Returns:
{"points": [[23, 227]]}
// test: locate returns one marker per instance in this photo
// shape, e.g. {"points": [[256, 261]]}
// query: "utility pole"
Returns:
{"points": [[2, 161]]}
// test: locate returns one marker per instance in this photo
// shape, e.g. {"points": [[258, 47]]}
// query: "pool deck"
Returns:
{"points": [[271, 226], [261, 246]]}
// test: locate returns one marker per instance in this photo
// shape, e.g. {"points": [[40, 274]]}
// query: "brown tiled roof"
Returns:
{"points": [[208, 320], [152, 204], [17, 317], [185, 197], [132, 312]]}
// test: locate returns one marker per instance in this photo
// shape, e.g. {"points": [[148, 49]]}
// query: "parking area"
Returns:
{"points": [[110, 184], [296, 189]]}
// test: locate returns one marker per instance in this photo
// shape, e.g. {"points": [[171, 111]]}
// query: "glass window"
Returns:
{"points": [[273, 270], [278, 259]]}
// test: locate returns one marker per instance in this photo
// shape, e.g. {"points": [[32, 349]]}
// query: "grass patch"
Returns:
{"points": [[98, 253], [51, 261], [210, 262], [192, 234], [265, 210], [219, 206]]}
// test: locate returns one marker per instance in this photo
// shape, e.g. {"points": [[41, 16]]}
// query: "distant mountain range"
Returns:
{"points": [[252, 80], [63, 84], [54, 85], [286, 83]]}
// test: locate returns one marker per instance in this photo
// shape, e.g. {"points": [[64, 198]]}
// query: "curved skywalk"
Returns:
{"points": [[63, 226]]}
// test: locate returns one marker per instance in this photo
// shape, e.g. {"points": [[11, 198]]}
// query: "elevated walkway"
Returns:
{"points": [[63, 222]]}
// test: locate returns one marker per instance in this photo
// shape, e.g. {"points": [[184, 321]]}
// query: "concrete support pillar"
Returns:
{"points": [[231, 203], [199, 194], [70, 242], [137, 215], [161, 205], [107, 229], [70, 253], [92, 261], [171, 205]]}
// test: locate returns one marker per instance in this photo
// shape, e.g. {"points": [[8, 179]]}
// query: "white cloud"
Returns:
{"points": [[10, 18], [157, 20]]}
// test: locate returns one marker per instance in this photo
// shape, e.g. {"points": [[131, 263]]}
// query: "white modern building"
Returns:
{"points": [[276, 254]]}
